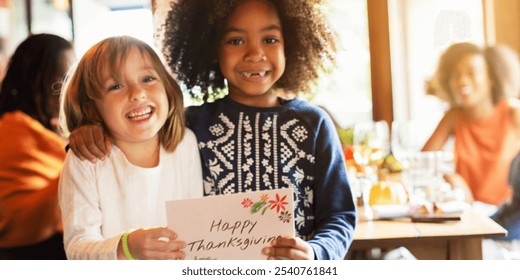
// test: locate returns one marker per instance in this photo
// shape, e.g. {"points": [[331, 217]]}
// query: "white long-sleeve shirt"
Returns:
{"points": [[100, 201]]}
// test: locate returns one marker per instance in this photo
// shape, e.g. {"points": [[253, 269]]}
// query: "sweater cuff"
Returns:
{"points": [[318, 251]]}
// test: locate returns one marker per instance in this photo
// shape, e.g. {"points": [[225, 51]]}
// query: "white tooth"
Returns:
{"points": [[256, 74], [138, 114]]}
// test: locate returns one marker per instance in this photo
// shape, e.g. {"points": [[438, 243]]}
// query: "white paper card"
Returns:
{"points": [[232, 227]]}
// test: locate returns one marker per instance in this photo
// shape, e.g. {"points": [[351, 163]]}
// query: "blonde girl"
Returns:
{"points": [[114, 209]]}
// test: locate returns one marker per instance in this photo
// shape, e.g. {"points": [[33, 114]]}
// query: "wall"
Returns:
{"points": [[507, 23]]}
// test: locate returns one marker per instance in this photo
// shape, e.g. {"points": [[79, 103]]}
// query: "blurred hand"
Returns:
{"points": [[457, 182], [292, 248], [90, 142], [155, 244]]}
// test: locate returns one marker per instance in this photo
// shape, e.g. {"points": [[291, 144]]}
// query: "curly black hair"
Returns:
{"points": [[192, 32]]}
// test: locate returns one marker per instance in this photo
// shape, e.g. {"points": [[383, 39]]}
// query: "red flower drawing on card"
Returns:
{"points": [[247, 202], [264, 204], [278, 203]]}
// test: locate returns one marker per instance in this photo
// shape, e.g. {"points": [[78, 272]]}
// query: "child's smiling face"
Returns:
{"points": [[135, 107], [251, 53]]}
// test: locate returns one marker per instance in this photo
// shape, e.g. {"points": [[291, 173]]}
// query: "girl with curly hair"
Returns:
{"points": [[253, 139]]}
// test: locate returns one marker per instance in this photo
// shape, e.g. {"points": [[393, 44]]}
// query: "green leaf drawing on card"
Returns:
{"points": [[257, 206], [264, 204]]}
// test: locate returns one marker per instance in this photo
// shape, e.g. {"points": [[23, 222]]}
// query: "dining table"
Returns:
{"points": [[446, 240]]}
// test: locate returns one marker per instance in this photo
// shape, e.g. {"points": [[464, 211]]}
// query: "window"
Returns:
{"points": [[51, 17], [100, 19], [420, 30], [347, 93]]}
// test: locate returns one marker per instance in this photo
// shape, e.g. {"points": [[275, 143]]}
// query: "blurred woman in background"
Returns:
{"points": [[31, 153], [477, 82]]}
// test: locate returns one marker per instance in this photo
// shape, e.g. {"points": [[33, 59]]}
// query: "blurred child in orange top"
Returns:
{"points": [[31, 153], [485, 122]]}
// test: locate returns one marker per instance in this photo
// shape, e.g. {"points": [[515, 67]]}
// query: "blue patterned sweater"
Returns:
{"points": [[294, 145]]}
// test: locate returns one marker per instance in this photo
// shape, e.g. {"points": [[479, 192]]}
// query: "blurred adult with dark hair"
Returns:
{"points": [[31, 152]]}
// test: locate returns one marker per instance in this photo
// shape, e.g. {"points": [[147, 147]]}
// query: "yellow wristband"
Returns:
{"points": [[126, 250]]}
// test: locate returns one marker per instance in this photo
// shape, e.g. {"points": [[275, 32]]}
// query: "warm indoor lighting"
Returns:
{"points": [[62, 5]]}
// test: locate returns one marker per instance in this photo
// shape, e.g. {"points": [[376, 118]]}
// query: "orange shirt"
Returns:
{"points": [[483, 153], [31, 158]]}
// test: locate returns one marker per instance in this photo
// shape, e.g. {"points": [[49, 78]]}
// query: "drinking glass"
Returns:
{"points": [[407, 139], [370, 141], [425, 176]]}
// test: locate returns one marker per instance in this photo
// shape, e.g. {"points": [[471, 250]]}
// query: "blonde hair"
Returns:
{"points": [[502, 64], [86, 83]]}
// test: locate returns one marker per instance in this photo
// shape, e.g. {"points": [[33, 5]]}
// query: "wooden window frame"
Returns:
{"points": [[380, 64]]}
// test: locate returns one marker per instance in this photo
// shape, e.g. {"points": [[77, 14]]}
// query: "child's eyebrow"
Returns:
{"points": [[147, 68], [265, 29]]}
